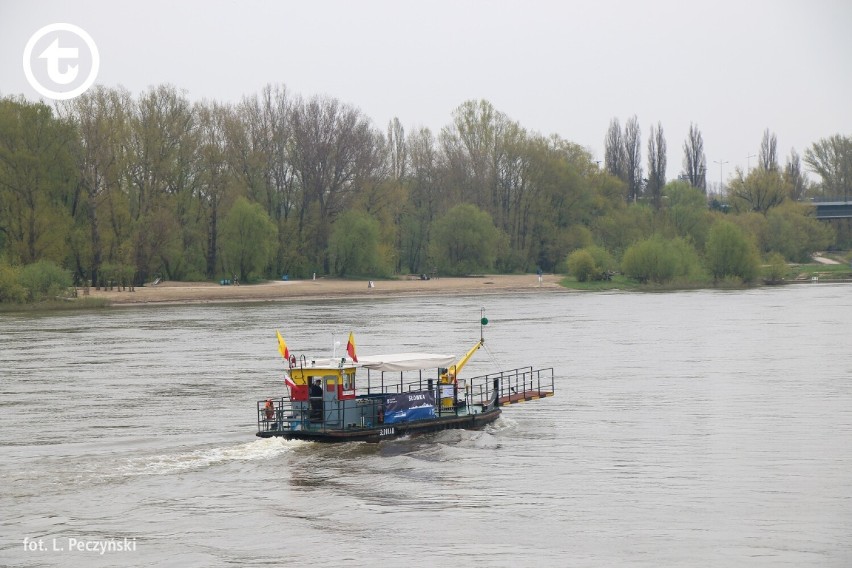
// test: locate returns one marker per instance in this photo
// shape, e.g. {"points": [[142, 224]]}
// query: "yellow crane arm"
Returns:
{"points": [[456, 369]]}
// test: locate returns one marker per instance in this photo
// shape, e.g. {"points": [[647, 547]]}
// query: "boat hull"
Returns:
{"points": [[473, 421]]}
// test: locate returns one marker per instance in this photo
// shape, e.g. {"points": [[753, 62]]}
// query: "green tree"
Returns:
{"points": [[465, 241], [831, 160], [621, 227], [354, 246], [686, 211], [11, 291], [776, 269], [44, 280], [730, 253], [760, 191], [590, 263], [101, 117], [555, 214], [248, 239], [163, 154], [37, 181], [795, 234], [582, 265], [660, 260]]}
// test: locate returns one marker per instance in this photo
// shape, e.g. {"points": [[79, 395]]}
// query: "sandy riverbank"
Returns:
{"points": [[323, 288]]}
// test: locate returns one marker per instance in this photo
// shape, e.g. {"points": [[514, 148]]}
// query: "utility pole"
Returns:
{"points": [[748, 162]]}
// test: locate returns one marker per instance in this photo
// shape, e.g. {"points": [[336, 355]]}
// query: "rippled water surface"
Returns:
{"points": [[689, 429]]}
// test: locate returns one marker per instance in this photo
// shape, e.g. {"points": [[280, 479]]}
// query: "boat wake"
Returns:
{"points": [[202, 458]]}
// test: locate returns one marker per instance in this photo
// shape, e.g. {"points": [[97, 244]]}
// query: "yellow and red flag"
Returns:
{"points": [[282, 347], [350, 347]]}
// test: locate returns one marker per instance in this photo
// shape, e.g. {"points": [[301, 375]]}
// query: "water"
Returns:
{"points": [[688, 429]]}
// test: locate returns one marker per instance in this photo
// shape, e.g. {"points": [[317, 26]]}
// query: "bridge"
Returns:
{"points": [[837, 209]]}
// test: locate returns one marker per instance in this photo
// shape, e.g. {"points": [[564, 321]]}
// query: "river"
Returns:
{"points": [[699, 428]]}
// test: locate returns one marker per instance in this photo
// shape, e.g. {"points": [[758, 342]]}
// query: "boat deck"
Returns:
{"points": [[524, 396], [472, 404]]}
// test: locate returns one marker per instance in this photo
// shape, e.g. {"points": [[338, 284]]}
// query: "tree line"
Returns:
{"points": [[116, 188]]}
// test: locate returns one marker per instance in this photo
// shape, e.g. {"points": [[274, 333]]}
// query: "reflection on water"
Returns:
{"points": [[697, 428]]}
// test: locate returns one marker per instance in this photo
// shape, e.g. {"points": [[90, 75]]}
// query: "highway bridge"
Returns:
{"points": [[838, 209]]}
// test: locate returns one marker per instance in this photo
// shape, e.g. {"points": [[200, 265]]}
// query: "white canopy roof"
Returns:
{"points": [[405, 361]]}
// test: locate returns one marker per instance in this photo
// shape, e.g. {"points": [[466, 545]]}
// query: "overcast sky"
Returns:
{"points": [[734, 68]]}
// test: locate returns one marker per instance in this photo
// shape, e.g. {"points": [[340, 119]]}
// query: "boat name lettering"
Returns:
{"points": [[386, 432], [413, 397]]}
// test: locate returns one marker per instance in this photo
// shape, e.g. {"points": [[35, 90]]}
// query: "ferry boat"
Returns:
{"points": [[402, 394]]}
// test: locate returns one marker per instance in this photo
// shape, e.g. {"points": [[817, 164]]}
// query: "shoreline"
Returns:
{"points": [[321, 289]]}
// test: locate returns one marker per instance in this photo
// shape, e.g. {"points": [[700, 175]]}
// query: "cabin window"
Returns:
{"points": [[348, 381]]}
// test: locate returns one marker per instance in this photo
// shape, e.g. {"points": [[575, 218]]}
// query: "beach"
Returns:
{"points": [[321, 288]]}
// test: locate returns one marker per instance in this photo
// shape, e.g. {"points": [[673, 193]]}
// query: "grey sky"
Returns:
{"points": [[734, 68]]}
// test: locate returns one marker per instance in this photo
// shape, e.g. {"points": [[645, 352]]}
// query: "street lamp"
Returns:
{"points": [[721, 166]]}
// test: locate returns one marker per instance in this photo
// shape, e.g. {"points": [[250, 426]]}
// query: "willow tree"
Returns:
{"points": [[465, 241], [354, 246], [730, 252], [248, 239]]}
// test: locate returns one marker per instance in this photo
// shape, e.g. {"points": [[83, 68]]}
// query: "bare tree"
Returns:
{"points": [[768, 156], [163, 152], [656, 164], [334, 151], [694, 160], [397, 150], [101, 116], [470, 146], [425, 195], [795, 177], [213, 176], [633, 158], [614, 158]]}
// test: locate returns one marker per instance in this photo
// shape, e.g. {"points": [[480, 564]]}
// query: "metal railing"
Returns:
{"points": [[520, 383], [469, 396], [296, 415]]}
